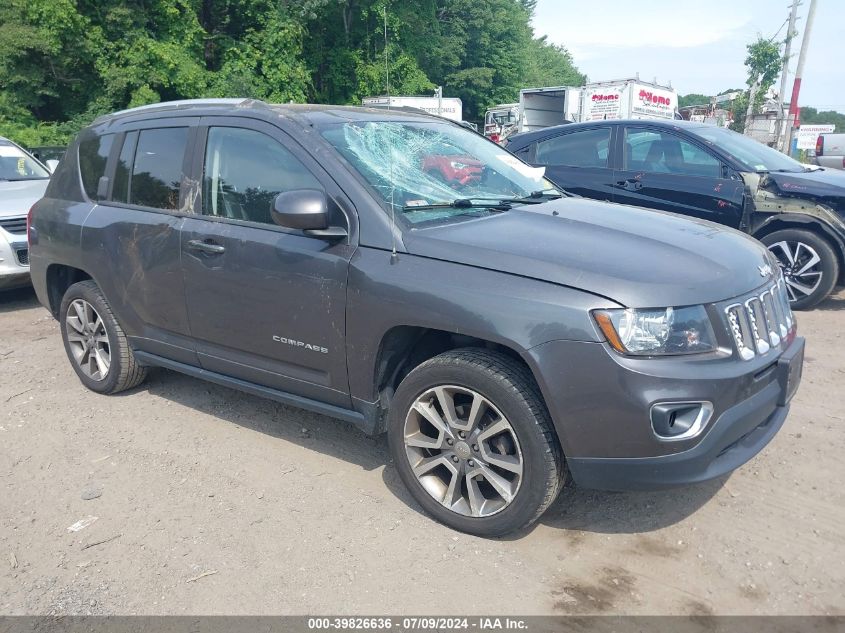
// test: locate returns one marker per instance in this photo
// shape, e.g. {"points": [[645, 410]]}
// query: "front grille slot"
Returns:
{"points": [[14, 225], [23, 256], [761, 322]]}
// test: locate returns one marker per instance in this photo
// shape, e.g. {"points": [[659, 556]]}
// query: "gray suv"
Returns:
{"points": [[402, 273]]}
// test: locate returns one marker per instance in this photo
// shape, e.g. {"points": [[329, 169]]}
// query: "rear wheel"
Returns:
{"points": [[473, 442], [95, 343], [809, 264]]}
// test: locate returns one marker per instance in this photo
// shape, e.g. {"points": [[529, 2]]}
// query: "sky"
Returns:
{"points": [[697, 45]]}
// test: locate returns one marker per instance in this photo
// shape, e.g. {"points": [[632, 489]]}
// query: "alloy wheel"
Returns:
{"points": [[463, 451], [801, 266], [88, 339]]}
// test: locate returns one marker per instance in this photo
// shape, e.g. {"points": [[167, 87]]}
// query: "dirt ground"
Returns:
{"points": [[209, 501]]}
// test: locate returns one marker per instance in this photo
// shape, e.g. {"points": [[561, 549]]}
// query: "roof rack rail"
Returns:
{"points": [[165, 105]]}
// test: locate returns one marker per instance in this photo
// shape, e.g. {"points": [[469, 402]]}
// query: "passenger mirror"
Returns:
{"points": [[52, 164], [305, 209]]}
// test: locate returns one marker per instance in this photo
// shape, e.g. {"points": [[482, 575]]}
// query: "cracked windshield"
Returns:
{"points": [[437, 171]]}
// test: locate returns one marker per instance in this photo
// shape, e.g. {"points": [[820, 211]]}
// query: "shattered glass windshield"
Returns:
{"points": [[414, 166]]}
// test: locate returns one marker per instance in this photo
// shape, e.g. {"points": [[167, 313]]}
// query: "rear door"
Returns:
{"points": [[266, 304], [577, 160], [130, 239], [661, 169]]}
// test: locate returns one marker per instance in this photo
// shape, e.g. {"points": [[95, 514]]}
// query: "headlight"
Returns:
{"points": [[657, 331]]}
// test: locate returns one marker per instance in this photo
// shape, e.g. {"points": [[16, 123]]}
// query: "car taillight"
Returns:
{"points": [[494, 138], [820, 145], [29, 225]]}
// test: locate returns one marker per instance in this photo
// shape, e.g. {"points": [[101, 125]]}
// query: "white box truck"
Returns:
{"points": [[619, 99], [447, 107]]}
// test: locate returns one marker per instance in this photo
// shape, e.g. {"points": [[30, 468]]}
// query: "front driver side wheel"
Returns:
{"points": [[473, 442]]}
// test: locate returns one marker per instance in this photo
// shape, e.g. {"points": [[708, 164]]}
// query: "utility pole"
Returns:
{"points": [[752, 94], [794, 112], [780, 132]]}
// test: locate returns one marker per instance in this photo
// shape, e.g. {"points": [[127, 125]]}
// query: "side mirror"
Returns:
{"points": [[52, 164], [307, 210]]}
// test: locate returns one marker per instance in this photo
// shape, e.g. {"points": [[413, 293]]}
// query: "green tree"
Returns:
{"points": [[764, 63]]}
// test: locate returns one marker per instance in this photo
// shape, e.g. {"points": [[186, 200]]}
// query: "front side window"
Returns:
{"points": [[414, 166], [15, 164], [149, 168], [657, 151], [93, 156], [245, 170], [583, 148]]}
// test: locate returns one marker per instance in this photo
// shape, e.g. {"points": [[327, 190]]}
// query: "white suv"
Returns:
{"points": [[22, 183]]}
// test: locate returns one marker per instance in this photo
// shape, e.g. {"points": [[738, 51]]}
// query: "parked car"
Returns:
{"points": [[49, 155], [712, 173], [502, 334], [23, 180], [830, 151]]}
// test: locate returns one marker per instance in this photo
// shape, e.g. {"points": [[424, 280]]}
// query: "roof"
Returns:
{"points": [[525, 137], [312, 113]]}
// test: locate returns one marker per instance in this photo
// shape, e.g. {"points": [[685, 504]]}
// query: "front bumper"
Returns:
{"points": [[14, 260], [605, 430]]}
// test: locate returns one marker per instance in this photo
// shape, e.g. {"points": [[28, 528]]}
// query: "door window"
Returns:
{"points": [[583, 148], [245, 170], [657, 151], [149, 169]]}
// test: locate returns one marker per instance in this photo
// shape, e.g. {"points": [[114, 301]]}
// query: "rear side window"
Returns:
{"points": [[149, 169], [584, 148], [123, 171], [93, 156], [157, 171]]}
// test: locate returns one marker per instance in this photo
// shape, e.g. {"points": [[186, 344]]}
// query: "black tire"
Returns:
{"points": [[828, 264], [124, 372], [511, 388]]}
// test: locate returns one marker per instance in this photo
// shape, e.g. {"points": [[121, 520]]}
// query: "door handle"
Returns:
{"points": [[206, 247]]}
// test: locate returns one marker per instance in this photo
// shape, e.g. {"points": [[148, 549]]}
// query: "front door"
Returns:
{"points": [[577, 161], [265, 304], [664, 170]]}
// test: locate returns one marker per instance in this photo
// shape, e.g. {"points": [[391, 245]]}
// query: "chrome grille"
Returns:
{"points": [[14, 225], [761, 322]]}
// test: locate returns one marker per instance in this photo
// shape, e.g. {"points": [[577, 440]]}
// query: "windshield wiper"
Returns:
{"points": [[500, 204], [463, 203]]}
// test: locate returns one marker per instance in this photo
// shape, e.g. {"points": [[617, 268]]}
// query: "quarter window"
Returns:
{"points": [[93, 156], [245, 170], [662, 152], [583, 148]]}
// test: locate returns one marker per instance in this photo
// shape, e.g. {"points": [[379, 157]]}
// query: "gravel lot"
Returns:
{"points": [[209, 501]]}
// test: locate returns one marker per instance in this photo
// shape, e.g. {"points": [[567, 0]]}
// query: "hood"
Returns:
{"points": [[824, 183], [636, 257], [17, 196]]}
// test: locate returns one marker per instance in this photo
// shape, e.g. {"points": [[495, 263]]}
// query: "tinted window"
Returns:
{"points": [[245, 170], [157, 169], [584, 148], [93, 155], [123, 170], [666, 153]]}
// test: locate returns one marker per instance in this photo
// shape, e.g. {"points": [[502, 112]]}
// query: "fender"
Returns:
{"points": [[823, 219]]}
